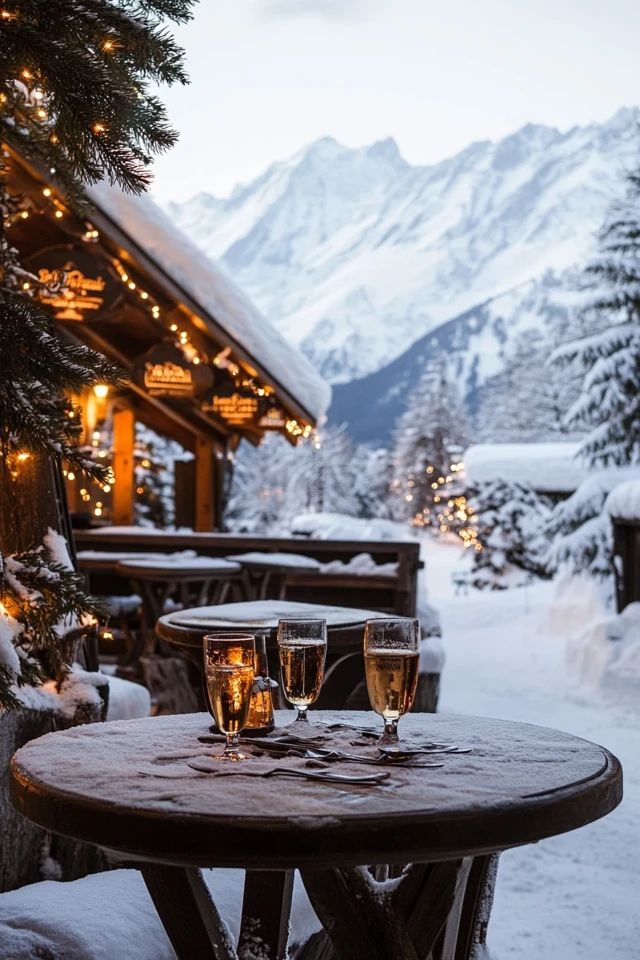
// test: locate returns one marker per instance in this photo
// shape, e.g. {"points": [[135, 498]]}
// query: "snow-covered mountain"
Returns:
{"points": [[356, 254]]}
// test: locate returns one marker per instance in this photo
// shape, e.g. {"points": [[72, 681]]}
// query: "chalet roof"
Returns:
{"points": [[546, 467], [220, 301]]}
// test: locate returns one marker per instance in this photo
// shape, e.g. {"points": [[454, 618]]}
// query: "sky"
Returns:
{"points": [[270, 76]]}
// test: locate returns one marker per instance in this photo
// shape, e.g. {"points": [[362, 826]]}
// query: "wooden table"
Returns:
{"points": [[261, 570], [199, 578], [345, 625], [127, 786]]}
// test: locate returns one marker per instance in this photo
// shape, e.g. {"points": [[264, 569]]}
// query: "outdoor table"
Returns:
{"points": [[106, 561], [344, 666], [260, 570], [155, 579], [127, 786]]}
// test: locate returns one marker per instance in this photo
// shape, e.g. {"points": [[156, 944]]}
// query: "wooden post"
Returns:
{"points": [[205, 501], [124, 426]]}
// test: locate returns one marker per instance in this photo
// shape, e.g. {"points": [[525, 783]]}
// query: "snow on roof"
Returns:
{"points": [[547, 467], [218, 297], [624, 501]]}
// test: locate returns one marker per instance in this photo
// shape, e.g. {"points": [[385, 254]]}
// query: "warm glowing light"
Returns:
{"points": [[59, 214], [47, 191], [98, 128], [71, 475], [173, 327], [101, 391]]}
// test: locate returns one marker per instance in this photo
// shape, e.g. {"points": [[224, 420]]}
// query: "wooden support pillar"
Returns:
{"points": [[205, 513], [124, 429]]}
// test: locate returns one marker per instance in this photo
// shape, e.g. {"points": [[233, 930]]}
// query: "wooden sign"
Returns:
{"points": [[164, 371], [273, 419], [238, 409], [74, 282]]}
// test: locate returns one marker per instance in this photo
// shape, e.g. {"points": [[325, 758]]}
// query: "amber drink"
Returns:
{"points": [[302, 671], [229, 687], [392, 677], [391, 655], [302, 645]]}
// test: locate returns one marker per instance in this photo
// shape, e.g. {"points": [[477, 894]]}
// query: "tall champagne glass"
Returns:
{"points": [[391, 653], [302, 646], [229, 672]]}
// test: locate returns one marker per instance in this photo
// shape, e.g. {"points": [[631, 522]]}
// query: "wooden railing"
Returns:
{"points": [[396, 593]]}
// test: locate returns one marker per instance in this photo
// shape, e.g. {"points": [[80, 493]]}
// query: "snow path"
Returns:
{"points": [[574, 897]]}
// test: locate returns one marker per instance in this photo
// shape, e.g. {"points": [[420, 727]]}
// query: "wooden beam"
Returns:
{"points": [[204, 493], [124, 426]]}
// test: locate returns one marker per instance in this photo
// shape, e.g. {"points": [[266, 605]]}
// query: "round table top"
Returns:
{"points": [[257, 560], [172, 568], [128, 786], [261, 616], [96, 560]]}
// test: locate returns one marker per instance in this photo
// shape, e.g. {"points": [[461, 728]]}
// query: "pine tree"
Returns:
{"points": [[511, 521], [428, 441], [528, 400], [609, 357], [76, 100]]}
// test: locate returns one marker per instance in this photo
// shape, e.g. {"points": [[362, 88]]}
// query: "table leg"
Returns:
{"points": [[188, 913], [266, 907], [437, 911]]}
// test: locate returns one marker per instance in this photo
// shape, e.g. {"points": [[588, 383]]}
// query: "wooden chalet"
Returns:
{"points": [[206, 369]]}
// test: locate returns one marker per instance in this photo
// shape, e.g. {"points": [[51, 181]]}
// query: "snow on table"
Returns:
{"points": [[266, 613], [132, 786], [180, 563], [294, 560]]}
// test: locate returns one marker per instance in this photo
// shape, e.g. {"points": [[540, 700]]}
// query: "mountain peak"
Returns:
{"points": [[357, 254], [386, 149]]}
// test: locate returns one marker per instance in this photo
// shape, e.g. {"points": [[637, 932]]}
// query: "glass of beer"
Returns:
{"points": [[229, 672], [391, 653], [302, 645]]}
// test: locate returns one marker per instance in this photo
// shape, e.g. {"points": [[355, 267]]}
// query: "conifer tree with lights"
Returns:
{"points": [[77, 102], [427, 445], [510, 531]]}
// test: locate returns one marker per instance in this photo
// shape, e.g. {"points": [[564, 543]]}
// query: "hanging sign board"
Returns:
{"points": [[238, 409], [164, 371], [74, 283], [273, 419]]}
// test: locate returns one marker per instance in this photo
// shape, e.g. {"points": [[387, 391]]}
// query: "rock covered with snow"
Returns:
{"points": [[624, 501]]}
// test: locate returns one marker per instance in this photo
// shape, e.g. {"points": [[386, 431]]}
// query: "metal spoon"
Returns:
{"points": [[385, 759]]}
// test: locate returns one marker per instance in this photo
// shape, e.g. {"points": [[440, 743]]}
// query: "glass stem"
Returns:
{"points": [[302, 715], [231, 746], [390, 734]]}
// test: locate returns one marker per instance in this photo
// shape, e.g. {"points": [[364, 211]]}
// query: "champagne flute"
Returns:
{"points": [[391, 653], [229, 672], [302, 646]]}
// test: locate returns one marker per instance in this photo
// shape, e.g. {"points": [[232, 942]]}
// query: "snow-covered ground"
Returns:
{"points": [[574, 897]]}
